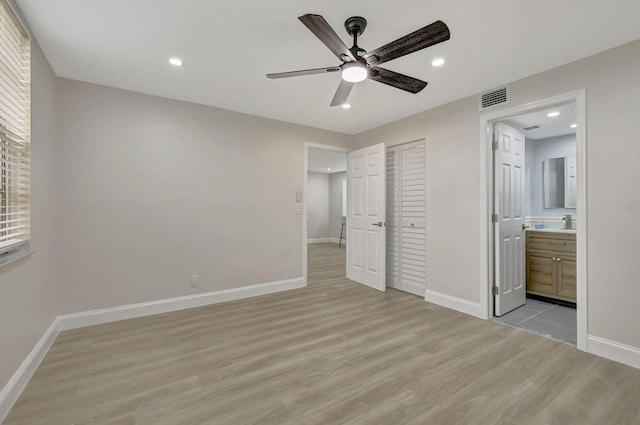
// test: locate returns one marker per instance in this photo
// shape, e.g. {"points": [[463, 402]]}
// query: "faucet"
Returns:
{"points": [[567, 222]]}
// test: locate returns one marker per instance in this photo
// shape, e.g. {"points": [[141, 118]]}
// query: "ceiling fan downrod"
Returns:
{"points": [[355, 26]]}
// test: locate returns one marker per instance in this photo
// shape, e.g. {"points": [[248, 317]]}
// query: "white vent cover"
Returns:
{"points": [[494, 97], [533, 127]]}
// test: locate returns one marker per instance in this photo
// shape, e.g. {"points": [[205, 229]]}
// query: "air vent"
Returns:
{"points": [[494, 97], [533, 127]]}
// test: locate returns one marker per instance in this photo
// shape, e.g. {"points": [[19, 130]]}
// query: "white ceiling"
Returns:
{"points": [[323, 161], [549, 126], [229, 46]]}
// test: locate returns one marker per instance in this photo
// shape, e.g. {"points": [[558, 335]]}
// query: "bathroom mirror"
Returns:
{"points": [[559, 182]]}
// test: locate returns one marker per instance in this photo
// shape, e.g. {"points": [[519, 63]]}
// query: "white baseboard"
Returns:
{"points": [[455, 303], [19, 380], [614, 351], [97, 317], [327, 240]]}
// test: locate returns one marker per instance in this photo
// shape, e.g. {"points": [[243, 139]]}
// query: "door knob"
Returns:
{"points": [[379, 224]]}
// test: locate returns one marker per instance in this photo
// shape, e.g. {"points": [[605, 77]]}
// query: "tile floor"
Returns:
{"points": [[550, 320]]}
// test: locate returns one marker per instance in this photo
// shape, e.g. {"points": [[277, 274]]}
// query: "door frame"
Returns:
{"points": [[486, 202], [308, 145]]}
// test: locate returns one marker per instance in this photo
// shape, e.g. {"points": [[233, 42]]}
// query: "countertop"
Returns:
{"points": [[551, 230]]}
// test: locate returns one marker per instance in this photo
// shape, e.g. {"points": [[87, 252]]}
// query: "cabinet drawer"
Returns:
{"points": [[547, 243]]}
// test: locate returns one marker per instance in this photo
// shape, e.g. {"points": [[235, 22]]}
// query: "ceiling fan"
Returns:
{"points": [[358, 64]]}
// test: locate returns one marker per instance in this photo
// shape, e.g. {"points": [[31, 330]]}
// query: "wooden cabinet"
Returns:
{"points": [[551, 265]]}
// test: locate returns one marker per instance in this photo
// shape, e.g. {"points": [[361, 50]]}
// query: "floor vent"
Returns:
{"points": [[494, 97]]}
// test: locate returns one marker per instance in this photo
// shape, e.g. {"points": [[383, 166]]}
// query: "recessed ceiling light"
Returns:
{"points": [[346, 106], [437, 62], [574, 125], [553, 114], [328, 169], [176, 61]]}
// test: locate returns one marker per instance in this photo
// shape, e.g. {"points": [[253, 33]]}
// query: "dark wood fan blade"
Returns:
{"points": [[303, 72], [326, 34], [394, 79], [417, 40], [342, 94]]}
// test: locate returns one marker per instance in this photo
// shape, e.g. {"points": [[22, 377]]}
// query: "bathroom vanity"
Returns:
{"points": [[551, 263]]}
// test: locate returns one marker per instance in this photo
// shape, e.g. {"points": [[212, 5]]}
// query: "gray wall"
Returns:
{"points": [[156, 190], [317, 205], [335, 204], [537, 151], [613, 179], [28, 288]]}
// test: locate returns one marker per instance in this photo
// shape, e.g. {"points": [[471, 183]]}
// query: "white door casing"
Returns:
{"points": [[509, 201], [366, 200], [406, 218]]}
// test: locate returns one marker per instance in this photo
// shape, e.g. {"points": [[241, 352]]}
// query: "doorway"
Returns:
{"points": [[534, 171], [325, 212], [536, 228], [365, 223], [378, 221]]}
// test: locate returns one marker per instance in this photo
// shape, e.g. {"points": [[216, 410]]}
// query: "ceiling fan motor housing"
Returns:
{"points": [[355, 25]]}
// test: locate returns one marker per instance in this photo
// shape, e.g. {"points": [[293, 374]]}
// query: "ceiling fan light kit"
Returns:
{"points": [[354, 72], [358, 64]]}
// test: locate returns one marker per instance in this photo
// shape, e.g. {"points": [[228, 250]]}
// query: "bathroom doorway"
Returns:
{"points": [[535, 195]]}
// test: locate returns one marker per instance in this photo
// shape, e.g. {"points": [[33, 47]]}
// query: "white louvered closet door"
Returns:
{"points": [[406, 218]]}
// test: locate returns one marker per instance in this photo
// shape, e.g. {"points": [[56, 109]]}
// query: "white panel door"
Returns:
{"points": [[509, 192], [406, 218], [366, 216]]}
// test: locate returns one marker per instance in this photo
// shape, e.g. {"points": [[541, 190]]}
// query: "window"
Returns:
{"points": [[15, 128]]}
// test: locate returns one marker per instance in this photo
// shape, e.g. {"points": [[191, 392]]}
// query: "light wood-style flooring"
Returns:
{"points": [[332, 353]]}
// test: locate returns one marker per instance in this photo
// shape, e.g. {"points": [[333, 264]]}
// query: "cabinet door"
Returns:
{"points": [[541, 273], [567, 278]]}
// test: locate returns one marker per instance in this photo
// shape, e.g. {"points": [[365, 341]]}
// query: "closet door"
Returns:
{"points": [[393, 217], [406, 218]]}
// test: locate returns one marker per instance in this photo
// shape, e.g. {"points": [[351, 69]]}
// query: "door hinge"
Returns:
{"points": [[494, 218], [494, 146], [496, 291]]}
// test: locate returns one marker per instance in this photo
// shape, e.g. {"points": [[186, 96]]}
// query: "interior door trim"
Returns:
{"points": [[486, 244]]}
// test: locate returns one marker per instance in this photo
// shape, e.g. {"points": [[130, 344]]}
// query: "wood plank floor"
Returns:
{"points": [[332, 353]]}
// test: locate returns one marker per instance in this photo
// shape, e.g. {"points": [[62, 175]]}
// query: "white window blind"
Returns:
{"points": [[15, 127]]}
